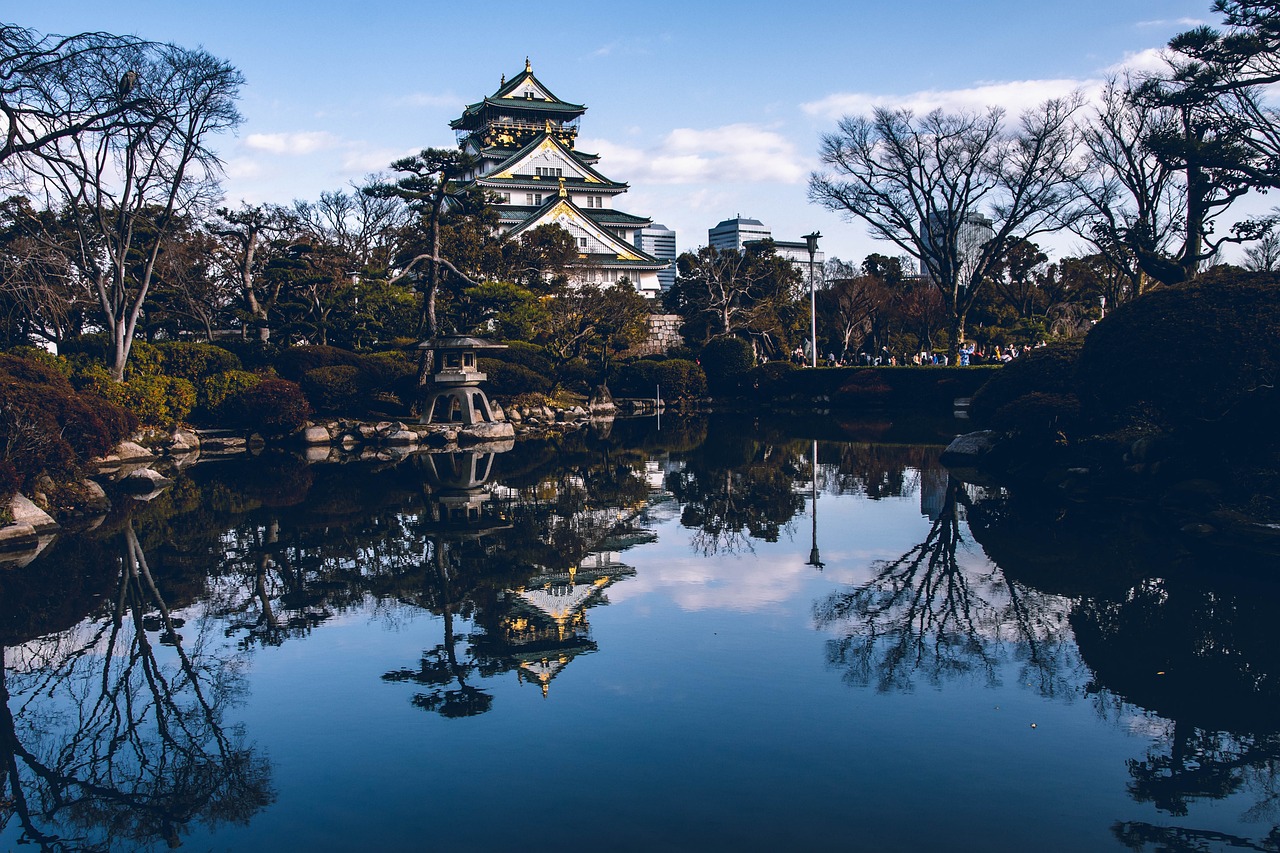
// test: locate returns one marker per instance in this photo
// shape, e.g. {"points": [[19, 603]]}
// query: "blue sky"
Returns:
{"points": [[708, 110]]}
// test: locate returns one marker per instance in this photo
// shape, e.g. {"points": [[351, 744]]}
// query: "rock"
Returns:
{"points": [[183, 441], [968, 449], [145, 480], [18, 537], [514, 416], [95, 498], [401, 438], [316, 435], [317, 453], [498, 413], [223, 444], [384, 427], [26, 512], [127, 451], [601, 400], [486, 432]]}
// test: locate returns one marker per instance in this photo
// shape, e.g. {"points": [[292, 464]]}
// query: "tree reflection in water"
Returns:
{"points": [[108, 742], [924, 614], [1190, 650]]}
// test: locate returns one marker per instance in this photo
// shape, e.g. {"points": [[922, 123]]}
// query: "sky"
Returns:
{"points": [[707, 110]]}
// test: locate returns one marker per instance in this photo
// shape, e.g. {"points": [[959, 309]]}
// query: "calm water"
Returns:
{"points": [[636, 641]]}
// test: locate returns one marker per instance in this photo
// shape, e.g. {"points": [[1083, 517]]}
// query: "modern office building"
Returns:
{"points": [[967, 235], [523, 137], [660, 241], [736, 233]]}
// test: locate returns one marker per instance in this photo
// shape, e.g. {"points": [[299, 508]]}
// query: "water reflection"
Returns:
{"points": [[925, 614], [125, 650], [1193, 647], [112, 732]]}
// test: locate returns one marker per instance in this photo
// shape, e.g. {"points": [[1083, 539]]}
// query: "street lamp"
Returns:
{"points": [[812, 241]]}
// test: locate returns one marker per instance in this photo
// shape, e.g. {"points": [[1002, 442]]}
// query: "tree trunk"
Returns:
{"points": [[957, 336]]}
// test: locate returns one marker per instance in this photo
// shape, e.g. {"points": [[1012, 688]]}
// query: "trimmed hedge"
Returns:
{"points": [[211, 393], [195, 362], [273, 407], [726, 362], [1201, 355], [508, 380], [1048, 370], [336, 389], [294, 362], [677, 377]]}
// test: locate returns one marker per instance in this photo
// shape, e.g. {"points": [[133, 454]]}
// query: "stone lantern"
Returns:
{"points": [[456, 397]]}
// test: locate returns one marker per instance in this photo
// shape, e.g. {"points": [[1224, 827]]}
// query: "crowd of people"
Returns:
{"points": [[970, 354]]}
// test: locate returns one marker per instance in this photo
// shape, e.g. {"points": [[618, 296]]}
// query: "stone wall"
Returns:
{"points": [[663, 334]]}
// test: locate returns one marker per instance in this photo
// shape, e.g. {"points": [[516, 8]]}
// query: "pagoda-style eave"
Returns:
{"points": [[535, 182], [475, 115]]}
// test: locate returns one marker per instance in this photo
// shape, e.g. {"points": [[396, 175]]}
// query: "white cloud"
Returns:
{"points": [[1147, 61], [1015, 96], [736, 153], [1179, 22], [305, 142], [243, 168], [362, 160]]}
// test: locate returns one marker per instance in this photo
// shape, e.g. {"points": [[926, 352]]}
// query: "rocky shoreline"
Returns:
{"points": [[144, 466]]}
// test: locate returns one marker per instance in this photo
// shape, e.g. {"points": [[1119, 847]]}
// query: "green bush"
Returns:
{"points": [[636, 379], [770, 378], [1204, 355], [578, 376], [336, 389], [156, 400], [211, 393], [294, 362], [273, 407], [195, 362], [508, 380], [253, 354], [726, 361], [1046, 370], [526, 355], [680, 379]]}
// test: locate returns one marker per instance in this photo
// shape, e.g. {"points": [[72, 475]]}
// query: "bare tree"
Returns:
{"points": [[921, 183], [56, 87], [128, 186], [1264, 255]]}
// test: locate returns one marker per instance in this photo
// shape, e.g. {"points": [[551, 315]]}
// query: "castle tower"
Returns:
{"points": [[524, 137]]}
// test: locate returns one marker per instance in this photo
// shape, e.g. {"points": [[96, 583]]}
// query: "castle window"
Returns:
{"points": [[532, 199], [582, 242]]}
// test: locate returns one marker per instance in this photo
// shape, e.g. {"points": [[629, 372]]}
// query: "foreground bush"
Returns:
{"points": [[154, 399], [676, 377], [1047, 370], [211, 393], [294, 362], [1202, 355], [509, 380], [336, 389], [273, 407], [726, 362], [46, 426], [195, 362]]}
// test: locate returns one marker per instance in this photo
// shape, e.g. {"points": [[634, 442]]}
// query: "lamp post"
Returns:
{"points": [[812, 241]]}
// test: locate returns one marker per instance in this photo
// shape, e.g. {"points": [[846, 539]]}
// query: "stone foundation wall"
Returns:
{"points": [[663, 334]]}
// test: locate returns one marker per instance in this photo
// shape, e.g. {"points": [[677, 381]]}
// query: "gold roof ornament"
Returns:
{"points": [[527, 66], [503, 82], [563, 192]]}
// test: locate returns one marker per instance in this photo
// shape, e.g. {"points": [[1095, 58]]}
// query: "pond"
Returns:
{"points": [[689, 637]]}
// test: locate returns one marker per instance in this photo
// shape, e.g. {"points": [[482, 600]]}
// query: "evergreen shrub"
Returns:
{"points": [[1047, 370], [273, 407], [335, 390], [726, 362], [195, 362]]}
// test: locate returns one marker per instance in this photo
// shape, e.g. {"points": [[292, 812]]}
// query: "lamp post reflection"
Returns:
{"points": [[814, 558]]}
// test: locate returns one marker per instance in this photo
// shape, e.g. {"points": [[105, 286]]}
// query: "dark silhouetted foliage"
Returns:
{"points": [[1201, 355], [273, 407], [1047, 370], [726, 362]]}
